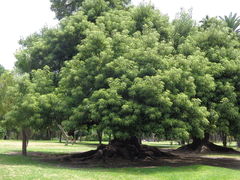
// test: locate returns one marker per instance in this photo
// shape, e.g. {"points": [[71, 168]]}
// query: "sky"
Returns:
{"points": [[20, 18]]}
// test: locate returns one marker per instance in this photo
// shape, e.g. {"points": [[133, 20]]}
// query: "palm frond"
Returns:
{"points": [[233, 21]]}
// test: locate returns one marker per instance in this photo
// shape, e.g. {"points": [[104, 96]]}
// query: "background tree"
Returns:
{"points": [[6, 81], [24, 109], [183, 24], [52, 47], [65, 8], [2, 69], [220, 47], [233, 21], [32, 104]]}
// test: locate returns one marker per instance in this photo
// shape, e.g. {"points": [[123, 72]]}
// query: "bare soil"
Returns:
{"points": [[179, 159]]}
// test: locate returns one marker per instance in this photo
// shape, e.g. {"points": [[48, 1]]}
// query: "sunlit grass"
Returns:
{"points": [[163, 144], [45, 146], [223, 155]]}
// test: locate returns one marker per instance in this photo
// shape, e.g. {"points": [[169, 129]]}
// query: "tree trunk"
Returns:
{"points": [[80, 138], [99, 134], [60, 137], [224, 139], [203, 146], [182, 142], [48, 135], [24, 142], [64, 133], [199, 141], [128, 149], [238, 143], [109, 137], [8, 135]]}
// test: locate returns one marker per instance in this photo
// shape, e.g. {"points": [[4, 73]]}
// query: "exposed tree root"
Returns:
{"points": [[205, 147], [129, 150]]}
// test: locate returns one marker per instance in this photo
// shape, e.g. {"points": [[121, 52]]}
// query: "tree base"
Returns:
{"points": [[128, 150], [205, 147]]}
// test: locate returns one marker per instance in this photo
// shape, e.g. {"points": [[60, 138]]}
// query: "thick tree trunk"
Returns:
{"points": [[128, 149], [199, 141], [24, 142]]}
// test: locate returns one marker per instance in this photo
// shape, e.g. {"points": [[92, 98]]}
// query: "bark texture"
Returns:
{"points": [[129, 149]]}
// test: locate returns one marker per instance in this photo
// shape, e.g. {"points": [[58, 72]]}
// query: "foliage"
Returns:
{"points": [[130, 71], [65, 8], [6, 81], [2, 69], [183, 24], [129, 90], [220, 47], [32, 103]]}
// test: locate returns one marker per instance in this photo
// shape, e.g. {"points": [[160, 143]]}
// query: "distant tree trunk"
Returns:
{"points": [[24, 142], [64, 133], [99, 134], [60, 137], [109, 137], [182, 142], [238, 143], [80, 138], [49, 133], [224, 139], [8, 135]]}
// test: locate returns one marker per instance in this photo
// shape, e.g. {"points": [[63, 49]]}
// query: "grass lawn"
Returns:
{"points": [[19, 167]]}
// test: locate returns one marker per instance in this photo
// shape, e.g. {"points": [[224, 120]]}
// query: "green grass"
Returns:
{"points": [[19, 167], [52, 147]]}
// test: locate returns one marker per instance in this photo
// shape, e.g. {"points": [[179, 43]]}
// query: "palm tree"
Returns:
{"points": [[205, 19], [233, 21]]}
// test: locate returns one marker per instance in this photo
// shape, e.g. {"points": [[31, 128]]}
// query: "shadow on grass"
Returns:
{"points": [[20, 164], [19, 160]]}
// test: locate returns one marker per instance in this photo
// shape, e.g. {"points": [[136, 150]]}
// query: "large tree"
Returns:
{"points": [[118, 69], [124, 80]]}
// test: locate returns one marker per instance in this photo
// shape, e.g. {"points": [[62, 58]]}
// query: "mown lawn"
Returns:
{"points": [[19, 167]]}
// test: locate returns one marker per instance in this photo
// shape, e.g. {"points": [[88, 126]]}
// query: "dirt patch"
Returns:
{"points": [[178, 160]]}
